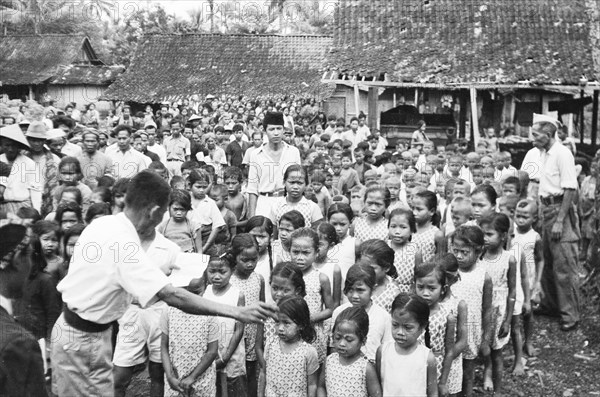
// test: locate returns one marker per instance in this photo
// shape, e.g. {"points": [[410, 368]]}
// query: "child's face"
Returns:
{"points": [[262, 238], [459, 217], [440, 188], [503, 209], [245, 263], [321, 150], [509, 190], [218, 274], [399, 230], [486, 162], [218, 198], [185, 173], [375, 205], [49, 243], [328, 181], [429, 288], [368, 260], [68, 175], [303, 253], [233, 186], [427, 149], [287, 330], [345, 339], [336, 168], [491, 237], [323, 248], [466, 256], [180, 185], [405, 329], [420, 211], [459, 191], [285, 231], [282, 288], [341, 223], [71, 245], [119, 200], [346, 162], [295, 184], [454, 167], [69, 219], [524, 218], [359, 156], [68, 197], [199, 189], [477, 177], [481, 205], [317, 186], [177, 212], [359, 294], [394, 189]]}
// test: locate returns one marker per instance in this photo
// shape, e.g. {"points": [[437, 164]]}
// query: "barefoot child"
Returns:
{"points": [[232, 177]]}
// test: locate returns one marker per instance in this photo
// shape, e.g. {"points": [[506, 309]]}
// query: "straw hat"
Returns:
{"points": [[37, 129], [13, 132]]}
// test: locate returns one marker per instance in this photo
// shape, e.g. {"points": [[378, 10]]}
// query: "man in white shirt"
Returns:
{"points": [[560, 225], [354, 135], [127, 162], [153, 146], [109, 268]]}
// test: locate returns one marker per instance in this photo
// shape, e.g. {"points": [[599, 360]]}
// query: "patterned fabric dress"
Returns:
{"points": [[388, 295], [189, 336], [470, 289], [287, 373], [404, 262], [363, 230], [315, 305], [346, 380], [251, 290], [455, 377], [309, 210], [426, 241], [497, 268]]}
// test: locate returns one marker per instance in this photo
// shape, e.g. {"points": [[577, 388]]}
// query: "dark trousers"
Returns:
{"points": [[560, 278]]}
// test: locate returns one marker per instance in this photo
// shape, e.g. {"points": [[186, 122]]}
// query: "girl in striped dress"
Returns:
{"points": [[428, 237], [407, 254], [347, 372], [304, 250]]}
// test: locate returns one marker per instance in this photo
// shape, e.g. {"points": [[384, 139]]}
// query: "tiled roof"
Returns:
{"points": [[171, 67], [87, 74], [464, 41], [34, 59]]}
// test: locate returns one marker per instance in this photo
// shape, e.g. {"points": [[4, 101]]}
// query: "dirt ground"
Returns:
{"points": [[568, 364]]}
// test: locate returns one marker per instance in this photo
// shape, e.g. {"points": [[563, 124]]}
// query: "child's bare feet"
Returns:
{"points": [[530, 350], [518, 369], [488, 383]]}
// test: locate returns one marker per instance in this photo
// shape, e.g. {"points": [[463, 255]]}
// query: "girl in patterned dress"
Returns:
{"points": [[344, 253], [407, 254], [406, 368], [292, 363], [231, 361], [286, 281], [305, 247], [374, 224], [295, 180], [262, 229], [428, 237], [475, 288], [378, 255], [501, 265], [189, 347], [244, 250], [447, 317], [288, 222], [347, 372]]}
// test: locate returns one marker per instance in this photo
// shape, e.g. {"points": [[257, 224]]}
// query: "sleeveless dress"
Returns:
{"points": [[226, 327], [497, 268], [364, 231], [189, 336], [251, 289], [263, 267], [404, 374], [388, 295], [315, 305], [346, 380], [524, 243], [426, 241], [404, 262], [454, 381], [287, 372], [469, 288], [343, 254]]}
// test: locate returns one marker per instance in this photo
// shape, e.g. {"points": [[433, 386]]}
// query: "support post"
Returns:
{"points": [[474, 116], [31, 98], [595, 121], [356, 100], [373, 113], [463, 114], [581, 120]]}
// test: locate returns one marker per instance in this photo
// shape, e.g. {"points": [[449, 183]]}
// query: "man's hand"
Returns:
{"points": [[256, 312], [557, 230]]}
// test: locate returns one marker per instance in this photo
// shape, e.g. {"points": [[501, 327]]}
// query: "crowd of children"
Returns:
{"points": [[393, 270]]}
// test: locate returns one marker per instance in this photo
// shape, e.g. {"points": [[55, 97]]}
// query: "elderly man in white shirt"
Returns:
{"points": [[560, 227], [267, 166], [110, 268]]}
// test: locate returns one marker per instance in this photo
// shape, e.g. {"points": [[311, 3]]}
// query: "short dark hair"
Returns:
{"points": [[147, 189]]}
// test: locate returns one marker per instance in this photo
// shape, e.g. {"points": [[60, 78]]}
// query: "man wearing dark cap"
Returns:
{"points": [[267, 166]]}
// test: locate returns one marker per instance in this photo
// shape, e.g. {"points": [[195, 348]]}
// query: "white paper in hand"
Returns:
{"points": [[191, 266]]}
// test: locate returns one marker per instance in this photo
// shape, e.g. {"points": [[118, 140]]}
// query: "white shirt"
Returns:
{"points": [[532, 163], [108, 269], [206, 212], [23, 183], [160, 152], [266, 175], [558, 171], [128, 164]]}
